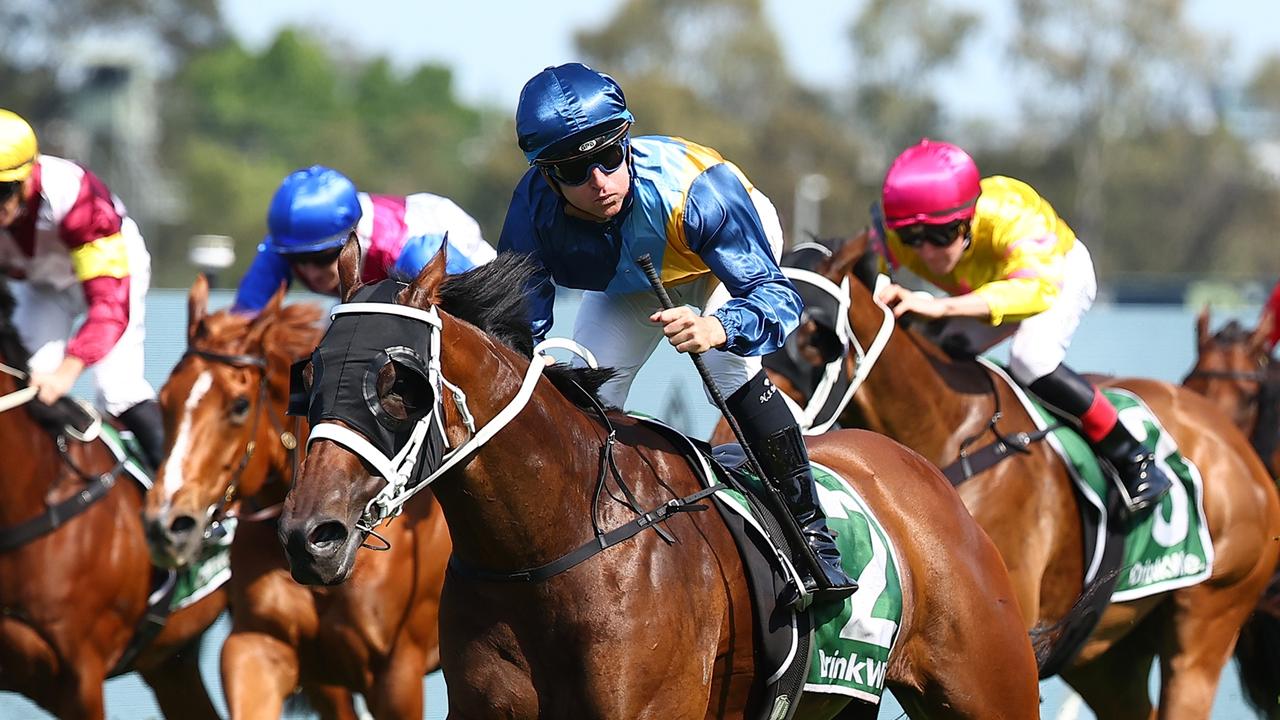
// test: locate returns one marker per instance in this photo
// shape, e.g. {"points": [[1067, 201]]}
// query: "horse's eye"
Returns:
{"points": [[239, 409]]}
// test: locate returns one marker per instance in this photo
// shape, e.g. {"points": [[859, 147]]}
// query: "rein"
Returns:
{"points": [[398, 470], [602, 540], [287, 438]]}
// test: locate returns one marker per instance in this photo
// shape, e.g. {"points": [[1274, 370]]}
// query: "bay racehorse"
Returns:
{"points": [[646, 628], [75, 574], [914, 392], [230, 453], [1234, 369]]}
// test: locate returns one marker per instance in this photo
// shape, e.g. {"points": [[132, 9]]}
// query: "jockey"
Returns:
{"points": [[1012, 267], [315, 209], [80, 254], [1271, 315], [595, 199]]}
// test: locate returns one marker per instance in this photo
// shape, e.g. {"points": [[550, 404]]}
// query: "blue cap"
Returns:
{"points": [[564, 101], [313, 210]]}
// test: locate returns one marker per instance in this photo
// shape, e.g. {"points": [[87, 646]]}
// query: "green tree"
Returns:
{"points": [[900, 47], [239, 121]]}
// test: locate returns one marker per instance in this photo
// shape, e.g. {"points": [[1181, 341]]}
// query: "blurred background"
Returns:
{"points": [[1153, 126]]}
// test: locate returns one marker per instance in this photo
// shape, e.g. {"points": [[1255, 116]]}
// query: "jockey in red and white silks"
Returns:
{"points": [[75, 252]]}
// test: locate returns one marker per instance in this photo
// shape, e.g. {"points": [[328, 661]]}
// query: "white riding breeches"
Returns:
{"points": [[45, 317], [1040, 342], [616, 328]]}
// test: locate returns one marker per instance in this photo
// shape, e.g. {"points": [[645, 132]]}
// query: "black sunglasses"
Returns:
{"points": [[914, 236], [323, 257], [576, 171], [9, 189]]}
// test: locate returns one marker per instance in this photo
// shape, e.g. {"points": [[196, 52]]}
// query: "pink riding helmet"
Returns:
{"points": [[930, 183]]}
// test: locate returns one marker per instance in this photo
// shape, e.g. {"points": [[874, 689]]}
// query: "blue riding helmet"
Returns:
{"points": [[313, 210], [563, 102]]}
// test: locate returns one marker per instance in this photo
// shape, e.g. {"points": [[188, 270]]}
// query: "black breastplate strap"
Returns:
{"points": [[599, 544], [602, 540], [55, 516]]}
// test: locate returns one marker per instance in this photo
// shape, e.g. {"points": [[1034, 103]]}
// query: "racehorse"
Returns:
{"points": [[1234, 370], [914, 392], [229, 451], [647, 628], [75, 574]]}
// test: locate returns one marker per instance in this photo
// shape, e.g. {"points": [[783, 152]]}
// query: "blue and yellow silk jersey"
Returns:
{"points": [[691, 211]]}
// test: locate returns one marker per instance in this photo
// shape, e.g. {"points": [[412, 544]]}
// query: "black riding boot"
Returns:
{"points": [[147, 424], [777, 442], [1142, 482]]}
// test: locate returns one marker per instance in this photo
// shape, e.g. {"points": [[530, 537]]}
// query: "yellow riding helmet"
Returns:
{"points": [[17, 147]]}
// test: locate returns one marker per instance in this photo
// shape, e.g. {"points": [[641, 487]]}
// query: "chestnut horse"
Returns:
{"points": [[645, 628], [1234, 370], [72, 598], [916, 394], [224, 407]]}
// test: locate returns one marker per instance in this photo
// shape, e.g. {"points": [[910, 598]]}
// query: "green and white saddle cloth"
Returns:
{"points": [[1170, 547], [212, 571], [853, 639]]}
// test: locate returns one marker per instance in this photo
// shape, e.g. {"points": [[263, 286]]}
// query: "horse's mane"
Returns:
{"points": [[492, 297], [1232, 333], [51, 417], [292, 331]]}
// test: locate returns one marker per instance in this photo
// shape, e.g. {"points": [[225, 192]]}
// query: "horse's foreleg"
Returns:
{"points": [[1114, 685], [331, 702], [80, 697], [397, 691], [258, 672], [178, 687], [1206, 621]]}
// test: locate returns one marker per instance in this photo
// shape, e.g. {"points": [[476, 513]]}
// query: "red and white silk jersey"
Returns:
{"points": [[73, 231]]}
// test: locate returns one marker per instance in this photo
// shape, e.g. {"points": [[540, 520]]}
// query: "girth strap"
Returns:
{"points": [[599, 544]]}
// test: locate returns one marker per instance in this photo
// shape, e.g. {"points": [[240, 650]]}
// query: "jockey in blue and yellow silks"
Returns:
{"points": [[596, 199]]}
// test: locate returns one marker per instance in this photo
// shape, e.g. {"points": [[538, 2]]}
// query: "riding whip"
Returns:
{"points": [[785, 519]]}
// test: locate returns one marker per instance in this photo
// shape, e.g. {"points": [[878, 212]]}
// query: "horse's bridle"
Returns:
{"points": [[287, 439]]}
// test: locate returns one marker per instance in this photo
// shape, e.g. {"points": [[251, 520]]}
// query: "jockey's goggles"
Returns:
{"points": [[607, 152], [9, 189], [319, 258], [941, 236]]}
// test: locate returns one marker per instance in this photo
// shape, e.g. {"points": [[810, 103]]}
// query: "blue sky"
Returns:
{"points": [[493, 47]]}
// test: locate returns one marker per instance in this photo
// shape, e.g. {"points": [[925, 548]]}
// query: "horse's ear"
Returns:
{"points": [[424, 291], [197, 305], [349, 268], [847, 256], [260, 323], [1261, 337], [1202, 326]]}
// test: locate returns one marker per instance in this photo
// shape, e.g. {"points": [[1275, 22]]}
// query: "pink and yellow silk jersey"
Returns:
{"points": [[1272, 308], [72, 231], [1016, 259]]}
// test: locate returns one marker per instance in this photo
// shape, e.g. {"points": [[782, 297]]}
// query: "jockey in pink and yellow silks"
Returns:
{"points": [[1011, 267], [75, 252]]}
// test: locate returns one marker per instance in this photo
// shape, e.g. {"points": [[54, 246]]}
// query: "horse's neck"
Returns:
{"points": [[524, 499], [31, 473], [910, 395]]}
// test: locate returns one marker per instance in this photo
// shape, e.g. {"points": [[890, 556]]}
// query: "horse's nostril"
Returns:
{"points": [[182, 525], [326, 536]]}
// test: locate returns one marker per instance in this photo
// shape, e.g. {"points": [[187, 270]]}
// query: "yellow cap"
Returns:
{"points": [[17, 147]]}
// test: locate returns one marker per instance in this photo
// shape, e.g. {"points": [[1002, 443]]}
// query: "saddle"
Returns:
{"points": [[834, 648]]}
